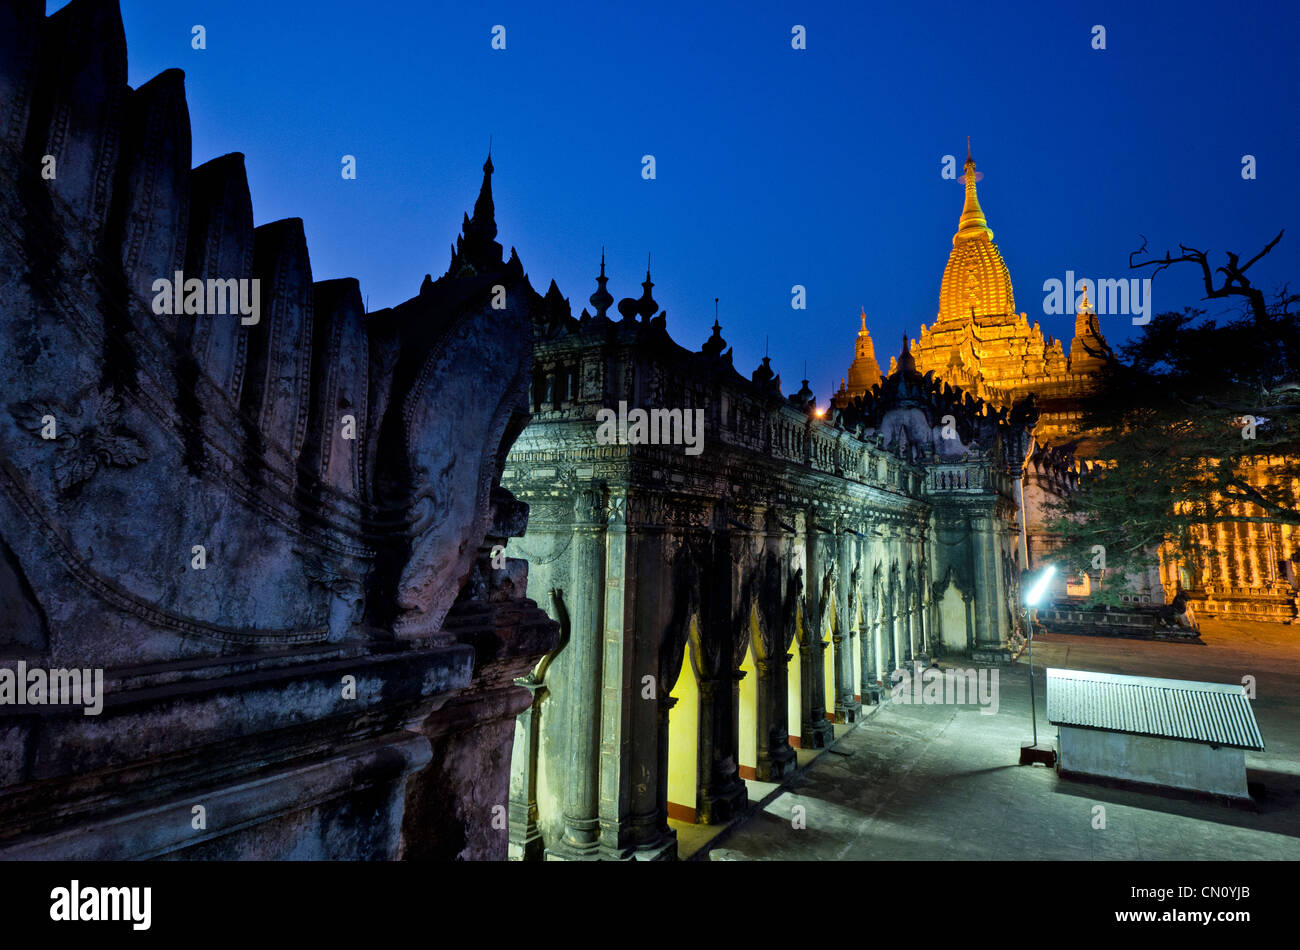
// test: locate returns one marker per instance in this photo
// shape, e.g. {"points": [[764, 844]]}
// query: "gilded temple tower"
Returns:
{"points": [[864, 371]]}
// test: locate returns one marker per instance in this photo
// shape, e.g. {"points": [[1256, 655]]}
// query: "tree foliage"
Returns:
{"points": [[1195, 422]]}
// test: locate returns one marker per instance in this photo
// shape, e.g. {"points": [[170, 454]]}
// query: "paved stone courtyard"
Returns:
{"points": [[927, 782]]}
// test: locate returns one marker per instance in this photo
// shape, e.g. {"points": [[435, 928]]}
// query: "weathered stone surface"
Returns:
{"points": [[256, 529], [20, 39]]}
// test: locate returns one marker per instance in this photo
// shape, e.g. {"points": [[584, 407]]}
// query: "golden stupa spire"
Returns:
{"points": [[972, 223], [864, 371]]}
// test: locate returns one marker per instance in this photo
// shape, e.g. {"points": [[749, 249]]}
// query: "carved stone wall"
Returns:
{"points": [[785, 570], [270, 530]]}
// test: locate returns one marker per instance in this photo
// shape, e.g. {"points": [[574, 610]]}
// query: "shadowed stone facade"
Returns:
{"points": [[272, 536], [720, 608]]}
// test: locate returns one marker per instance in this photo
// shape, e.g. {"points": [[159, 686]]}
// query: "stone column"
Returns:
{"points": [[908, 614], [723, 794], [1256, 575], [1221, 536], [847, 707], [1272, 575], [871, 692], [775, 755], [666, 703], [627, 811], [991, 627], [581, 821], [968, 602], [525, 838], [888, 630], [816, 732], [763, 715], [708, 689], [924, 603]]}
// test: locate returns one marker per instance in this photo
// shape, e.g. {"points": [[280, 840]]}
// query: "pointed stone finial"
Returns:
{"points": [[864, 320], [602, 299], [477, 249], [484, 220], [646, 306], [715, 344], [905, 360]]}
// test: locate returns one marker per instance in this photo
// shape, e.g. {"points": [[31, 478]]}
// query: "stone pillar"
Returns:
{"points": [[847, 707], [968, 602], [924, 603], [666, 703], [763, 715], [1221, 536], [991, 626], [871, 692], [775, 755], [816, 732], [889, 632], [723, 793], [1272, 575], [909, 623], [627, 810], [1256, 575], [525, 838], [581, 820]]}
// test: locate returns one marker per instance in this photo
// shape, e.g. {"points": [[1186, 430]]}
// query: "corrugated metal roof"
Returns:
{"points": [[1214, 713]]}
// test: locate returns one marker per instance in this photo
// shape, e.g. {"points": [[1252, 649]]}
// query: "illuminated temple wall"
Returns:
{"points": [[1246, 570], [721, 609]]}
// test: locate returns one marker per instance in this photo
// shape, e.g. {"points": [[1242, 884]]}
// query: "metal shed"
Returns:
{"points": [[1174, 733]]}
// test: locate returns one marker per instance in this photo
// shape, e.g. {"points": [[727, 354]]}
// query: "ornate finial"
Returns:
{"points": [[715, 344], [602, 298], [476, 249], [646, 306], [905, 361], [972, 223], [864, 320], [804, 399]]}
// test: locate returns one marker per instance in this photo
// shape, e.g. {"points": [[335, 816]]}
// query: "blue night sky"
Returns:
{"points": [[775, 167]]}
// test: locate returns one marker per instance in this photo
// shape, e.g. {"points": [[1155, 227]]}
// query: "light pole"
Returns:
{"points": [[1031, 753]]}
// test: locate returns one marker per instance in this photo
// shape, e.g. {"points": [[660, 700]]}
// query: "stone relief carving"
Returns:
{"points": [[86, 439]]}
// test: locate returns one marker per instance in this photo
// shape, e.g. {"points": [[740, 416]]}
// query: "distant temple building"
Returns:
{"points": [[978, 343]]}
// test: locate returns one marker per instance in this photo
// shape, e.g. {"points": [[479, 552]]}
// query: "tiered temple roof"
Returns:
{"points": [[979, 342]]}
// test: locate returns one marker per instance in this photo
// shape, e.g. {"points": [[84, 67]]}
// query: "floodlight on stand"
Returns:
{"points": [[1040, 586], [1033, 752]]}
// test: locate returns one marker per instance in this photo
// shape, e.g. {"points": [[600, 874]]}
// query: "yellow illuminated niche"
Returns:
{"points": [[684, 737]]}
